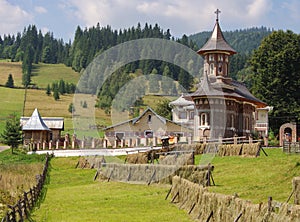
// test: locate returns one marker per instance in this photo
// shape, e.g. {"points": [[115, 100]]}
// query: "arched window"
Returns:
{"points": [[211, 69], [220, 67], [247, 123], [149, 118], [203, 119]]}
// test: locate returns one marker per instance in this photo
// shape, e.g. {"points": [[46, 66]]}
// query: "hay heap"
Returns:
{"points": [[198, 148], [90, 162], [244, 149], [149, 173], [177, 159], [230, 150], [137, 158], [202, 205], [296, 189]]}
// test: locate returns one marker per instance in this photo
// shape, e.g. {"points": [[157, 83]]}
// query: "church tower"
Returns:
{"points": [[216, 53], [223, 107]]}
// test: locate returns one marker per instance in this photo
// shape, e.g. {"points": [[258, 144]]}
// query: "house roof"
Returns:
{"points": [[216, 42], [36, 122], [136, 120], [182, 101]]}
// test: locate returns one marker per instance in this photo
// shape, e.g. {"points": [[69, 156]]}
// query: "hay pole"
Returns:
{"points": [[77, 165], [293, 191], [110, 175], [177, 194], [129, 174], [264, 151], [168, 193], [96, 175], [152, 177], [210, 216], [192, 208], [238, 217]]}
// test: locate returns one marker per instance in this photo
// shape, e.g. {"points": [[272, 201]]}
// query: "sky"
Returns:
{"points": [[61, 17]]}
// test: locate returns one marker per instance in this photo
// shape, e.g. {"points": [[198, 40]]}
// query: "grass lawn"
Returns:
{"points": [[14, 68], [11, 102], [42, 71], [256, 179], [73, 196]]}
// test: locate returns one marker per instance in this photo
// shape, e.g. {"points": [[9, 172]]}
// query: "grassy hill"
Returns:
{"points": [[44, 74], [14, 68], [11, 102]]}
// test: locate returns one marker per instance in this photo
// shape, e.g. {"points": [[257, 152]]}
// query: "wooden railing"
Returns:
{"points": [[22, 208]]}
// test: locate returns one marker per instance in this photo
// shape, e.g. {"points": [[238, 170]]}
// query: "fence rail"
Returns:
{"points": [[21, 209]]}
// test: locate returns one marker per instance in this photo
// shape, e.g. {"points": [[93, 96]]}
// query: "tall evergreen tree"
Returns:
{"points": [[12, 135], [10, 81], [48, 90]]}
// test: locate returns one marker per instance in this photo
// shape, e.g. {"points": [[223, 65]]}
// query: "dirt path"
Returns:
{"points": [[3, 148]]}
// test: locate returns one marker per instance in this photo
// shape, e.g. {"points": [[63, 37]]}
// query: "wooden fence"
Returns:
{"points": [[22, 208]]}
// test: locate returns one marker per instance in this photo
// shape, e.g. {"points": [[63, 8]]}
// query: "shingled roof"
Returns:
{"points": [[216, 42], [35, 122], [235, 90]]}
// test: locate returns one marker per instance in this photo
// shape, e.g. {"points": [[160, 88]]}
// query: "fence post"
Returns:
{"points": [[270, 204], [20, 210]]}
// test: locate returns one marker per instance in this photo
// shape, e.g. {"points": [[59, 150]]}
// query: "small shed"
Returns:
{"points": [[38, 129]]}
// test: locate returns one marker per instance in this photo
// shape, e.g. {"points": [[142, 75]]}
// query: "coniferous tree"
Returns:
{"points": [[12, 134], [48, 90], [10, 81], [56, 94]]}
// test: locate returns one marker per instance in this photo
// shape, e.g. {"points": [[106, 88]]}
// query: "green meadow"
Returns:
{"points": [[72, 195], [258, 178]]}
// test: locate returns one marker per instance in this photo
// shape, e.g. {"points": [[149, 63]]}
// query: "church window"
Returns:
{"points": [[220, 67], [246, 123], [211, 69], [211, 58], [204, 119], [221, 58]]}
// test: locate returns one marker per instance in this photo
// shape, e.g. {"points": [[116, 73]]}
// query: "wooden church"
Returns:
{"points": [[223, 107]]}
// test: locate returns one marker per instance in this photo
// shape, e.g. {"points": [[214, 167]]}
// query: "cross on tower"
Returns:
{"points": [[217, 12]]}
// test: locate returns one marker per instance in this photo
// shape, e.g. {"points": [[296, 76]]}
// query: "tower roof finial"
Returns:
{"points": [[217, 12]]}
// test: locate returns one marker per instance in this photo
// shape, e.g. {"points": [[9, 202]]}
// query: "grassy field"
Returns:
{"points": [[44, 74], [12, 102], [17, 174], [73, 196], [256, 179], [14, 68]]}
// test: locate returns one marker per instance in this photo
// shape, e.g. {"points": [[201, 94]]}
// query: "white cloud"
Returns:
{"points": [[180, 16], [40, 9], [12, 18]]}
